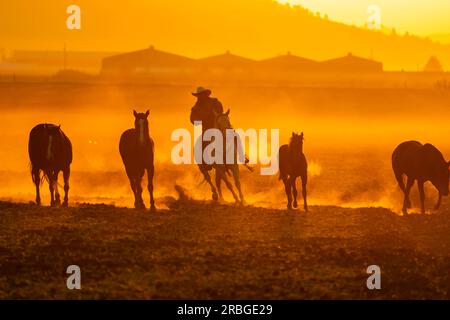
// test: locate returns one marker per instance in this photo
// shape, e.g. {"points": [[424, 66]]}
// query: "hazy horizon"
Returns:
{"points": [[256, 29]]}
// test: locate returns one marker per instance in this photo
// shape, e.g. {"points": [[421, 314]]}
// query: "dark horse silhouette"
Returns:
{"points": [[422, 163], [50, 151], [137, 152], [292, 164]]}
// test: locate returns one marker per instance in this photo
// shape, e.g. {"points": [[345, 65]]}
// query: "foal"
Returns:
{"points": [[292, 164]]}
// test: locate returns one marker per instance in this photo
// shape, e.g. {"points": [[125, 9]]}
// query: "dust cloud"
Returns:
{"points": [[349, 137]]}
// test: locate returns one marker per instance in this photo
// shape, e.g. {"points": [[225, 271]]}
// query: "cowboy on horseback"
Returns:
{"points": [[205, 110], [208, 110]]}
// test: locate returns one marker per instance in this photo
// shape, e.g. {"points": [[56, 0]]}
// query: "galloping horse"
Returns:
{"points": [[292, 164], [422, 163], [222, 122], [137, 152], [50, 151]]}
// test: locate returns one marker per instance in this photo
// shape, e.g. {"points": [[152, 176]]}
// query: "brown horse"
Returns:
{"points": [[137, 152], [292, 164], [422, 163], [50, 151]]}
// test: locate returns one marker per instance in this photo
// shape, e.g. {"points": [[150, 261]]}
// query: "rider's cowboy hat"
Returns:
{"points": [[201, 91]]}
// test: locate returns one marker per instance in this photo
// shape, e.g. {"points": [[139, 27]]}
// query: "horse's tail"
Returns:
{"points": [[246, 163], [398, 173], [251, 169], [30, 165], [399, 177], [40, 179]]}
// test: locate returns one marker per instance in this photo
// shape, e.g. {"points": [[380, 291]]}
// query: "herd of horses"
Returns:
{"points": [[50, 152]]}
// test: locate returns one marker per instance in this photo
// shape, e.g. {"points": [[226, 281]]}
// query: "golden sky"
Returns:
{"points": [[253, 28], [421, 17]]}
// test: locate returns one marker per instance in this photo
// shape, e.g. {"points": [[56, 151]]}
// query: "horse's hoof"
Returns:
{"points": [[140, 206], [405, 212], [289, 206], [306, 209], [215, 196], [152, 208], [295, 205], [65, 204], [57, 203]]}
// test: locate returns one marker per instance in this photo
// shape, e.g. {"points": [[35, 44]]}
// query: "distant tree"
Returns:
{"points": [[433, 65]]}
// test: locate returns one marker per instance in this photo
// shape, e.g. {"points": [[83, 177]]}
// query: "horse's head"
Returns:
{"points": [[222, 120], [141, 124], [296, 142], [441, 178]]}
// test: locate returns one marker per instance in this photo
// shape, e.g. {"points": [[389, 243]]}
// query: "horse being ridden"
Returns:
{"points": [[222, 123], [50, 151], [204, 110], [292, 164], [137, 152]]}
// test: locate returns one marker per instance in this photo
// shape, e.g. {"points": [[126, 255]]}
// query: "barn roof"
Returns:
{"points": [[149, 56], [226, 60], [289, 62], [351, 63]]}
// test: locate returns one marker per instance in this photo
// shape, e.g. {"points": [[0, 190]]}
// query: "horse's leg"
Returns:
{"points": [[230, 186], [66, 176], [287, 189], [150, 174], [294, 191], [422, 195], [55, 182], [207, 177], [304, 182], [131, 177], [237, 181], [51, 187], [37, 182], [406, 201], [438, 204], [219, 174], [138, 182]]}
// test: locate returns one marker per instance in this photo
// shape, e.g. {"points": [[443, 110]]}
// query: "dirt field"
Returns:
{"points": [[201, 250], [204, 250]]}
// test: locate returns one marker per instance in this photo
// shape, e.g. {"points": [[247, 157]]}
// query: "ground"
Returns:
{"points": [[202, 250]]}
